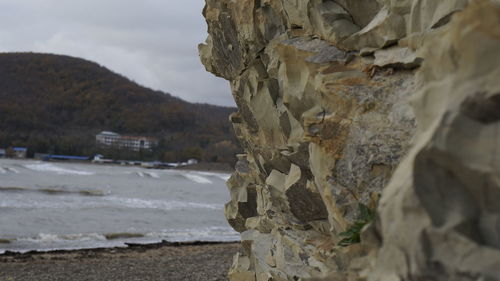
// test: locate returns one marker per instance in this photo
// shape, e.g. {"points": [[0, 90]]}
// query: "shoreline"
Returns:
{"points": [[136, 260], [126, 247], [215, 167], [176, 261]]}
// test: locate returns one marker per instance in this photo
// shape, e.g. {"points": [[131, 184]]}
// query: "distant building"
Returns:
{"points": [[20, 152], [111, 139], [3, 153]]}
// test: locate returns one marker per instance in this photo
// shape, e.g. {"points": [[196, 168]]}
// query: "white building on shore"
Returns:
{"points": [[134, 143]]}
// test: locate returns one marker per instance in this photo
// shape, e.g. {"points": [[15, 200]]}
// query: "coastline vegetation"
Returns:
{"points": [[57, 104], [353, 234]]}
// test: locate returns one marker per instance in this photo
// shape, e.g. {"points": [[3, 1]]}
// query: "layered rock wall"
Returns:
{"points": [[346, 105]]}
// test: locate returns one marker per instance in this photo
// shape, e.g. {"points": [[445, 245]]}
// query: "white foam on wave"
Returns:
{"points": [[49, 242], [222, 176], [148, 174], [153, 175], [44, 238], [212, 233], [46, 167], [104, 202], [197, 178], [159, 204], [5, 170], [14, 170]]}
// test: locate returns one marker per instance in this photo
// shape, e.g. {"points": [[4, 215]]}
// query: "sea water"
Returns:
{"points": [[53, 205]]}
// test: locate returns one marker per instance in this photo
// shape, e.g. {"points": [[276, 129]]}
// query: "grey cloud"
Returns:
{"points": [[152, 42]]}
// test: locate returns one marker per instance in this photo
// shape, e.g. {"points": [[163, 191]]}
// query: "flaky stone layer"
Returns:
{"points": [[343, 102]]}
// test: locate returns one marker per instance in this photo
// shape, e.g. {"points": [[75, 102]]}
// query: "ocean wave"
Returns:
{"points": [[38, 204], [159, 204], [197, 178], [123, 235], [44, 238], [46, 167], [5, 241], [5, 170], [14, 170], [106, 202], [153, 175], [148, 174], [212, 233], [50, 242], [222, 176], [56, 191]]}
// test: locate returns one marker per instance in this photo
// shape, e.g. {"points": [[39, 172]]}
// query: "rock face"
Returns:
{"points": [[391, 104]]}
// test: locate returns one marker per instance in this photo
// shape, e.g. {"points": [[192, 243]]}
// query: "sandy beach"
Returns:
{"points": [[162, 261]]}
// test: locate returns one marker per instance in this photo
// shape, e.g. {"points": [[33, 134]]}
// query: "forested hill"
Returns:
{"points": [[57, 104]]}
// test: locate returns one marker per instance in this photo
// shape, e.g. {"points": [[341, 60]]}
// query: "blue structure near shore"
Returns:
{"points": [[20, 152], [65, 157]]}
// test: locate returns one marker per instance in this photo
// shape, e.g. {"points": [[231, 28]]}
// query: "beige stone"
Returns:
{"points": [[397, 57], [341, 102]]}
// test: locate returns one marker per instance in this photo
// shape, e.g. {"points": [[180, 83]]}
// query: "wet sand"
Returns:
{"points": [[163, 261]]}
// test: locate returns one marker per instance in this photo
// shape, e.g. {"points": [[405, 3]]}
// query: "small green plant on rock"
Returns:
{"points": [[353, 234]]}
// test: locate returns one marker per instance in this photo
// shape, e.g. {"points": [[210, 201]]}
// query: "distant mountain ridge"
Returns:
{"points": [[58, 103]]}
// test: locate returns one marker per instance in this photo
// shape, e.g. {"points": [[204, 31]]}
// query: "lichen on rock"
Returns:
{"points": [[343, 102]]}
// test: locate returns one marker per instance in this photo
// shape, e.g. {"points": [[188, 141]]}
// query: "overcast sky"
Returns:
{"points": [[153, 42]]}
